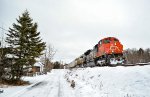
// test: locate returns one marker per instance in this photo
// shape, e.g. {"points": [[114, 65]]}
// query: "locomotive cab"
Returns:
{"points": [[109, 45], [109, 51]]}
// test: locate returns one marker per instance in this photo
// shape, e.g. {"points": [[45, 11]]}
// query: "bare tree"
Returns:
{"points": [[48, 57], [138, 56], [147, 55], [50, 52]]}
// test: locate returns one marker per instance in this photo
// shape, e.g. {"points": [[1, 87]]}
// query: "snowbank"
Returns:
{"points": [[111, 81]]}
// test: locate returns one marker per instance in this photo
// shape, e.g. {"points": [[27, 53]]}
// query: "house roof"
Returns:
{"points": [[38, 64]]}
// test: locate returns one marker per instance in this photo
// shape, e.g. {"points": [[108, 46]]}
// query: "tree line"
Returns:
{"points": [[140, 55]]}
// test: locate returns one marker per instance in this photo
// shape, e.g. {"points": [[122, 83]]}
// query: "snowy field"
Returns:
{"points": [[118, 81]]}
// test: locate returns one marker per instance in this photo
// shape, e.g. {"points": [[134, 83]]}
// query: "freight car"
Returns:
{"points": [[107, 52]]}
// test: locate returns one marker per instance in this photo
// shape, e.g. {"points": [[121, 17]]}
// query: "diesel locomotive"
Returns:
{"points": [[107, 52]]}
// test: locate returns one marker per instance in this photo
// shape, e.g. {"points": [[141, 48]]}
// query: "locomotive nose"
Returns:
{"points": [[112, 48]]}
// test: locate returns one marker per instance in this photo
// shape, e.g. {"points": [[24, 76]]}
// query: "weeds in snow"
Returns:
{"points": [[131, 95], [91, 77], [100, 85], [72, 83]]}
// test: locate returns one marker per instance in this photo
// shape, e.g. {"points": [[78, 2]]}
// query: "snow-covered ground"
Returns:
{"points": [[118, 81], [12, 91], [111, 81]]}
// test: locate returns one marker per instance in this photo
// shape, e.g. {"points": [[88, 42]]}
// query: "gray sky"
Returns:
{"points": [[74, 26]]}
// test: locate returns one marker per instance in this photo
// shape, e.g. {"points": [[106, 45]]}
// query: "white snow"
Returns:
{"points": [[11, 91], [118, 81], [133, 81]]}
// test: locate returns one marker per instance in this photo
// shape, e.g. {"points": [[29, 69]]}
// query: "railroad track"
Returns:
{"points": [[138, 64], [125, 65]]}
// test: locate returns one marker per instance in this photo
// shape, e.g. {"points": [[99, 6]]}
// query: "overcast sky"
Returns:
{"points": [[74, 26]]}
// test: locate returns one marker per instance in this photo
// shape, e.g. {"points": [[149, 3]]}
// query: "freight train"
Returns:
{"points": [[107, 52]]}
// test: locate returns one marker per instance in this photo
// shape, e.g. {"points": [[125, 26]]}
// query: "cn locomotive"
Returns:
{"points": [[107, 52]]}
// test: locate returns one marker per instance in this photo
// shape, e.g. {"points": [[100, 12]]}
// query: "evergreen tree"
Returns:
{"points": [[25, 44]]}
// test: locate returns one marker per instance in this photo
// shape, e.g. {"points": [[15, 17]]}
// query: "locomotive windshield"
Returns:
{"points": [[116, 39], [106, 41]]}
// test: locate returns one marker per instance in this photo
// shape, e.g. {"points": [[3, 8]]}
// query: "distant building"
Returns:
{"points": [[38, 68]]}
